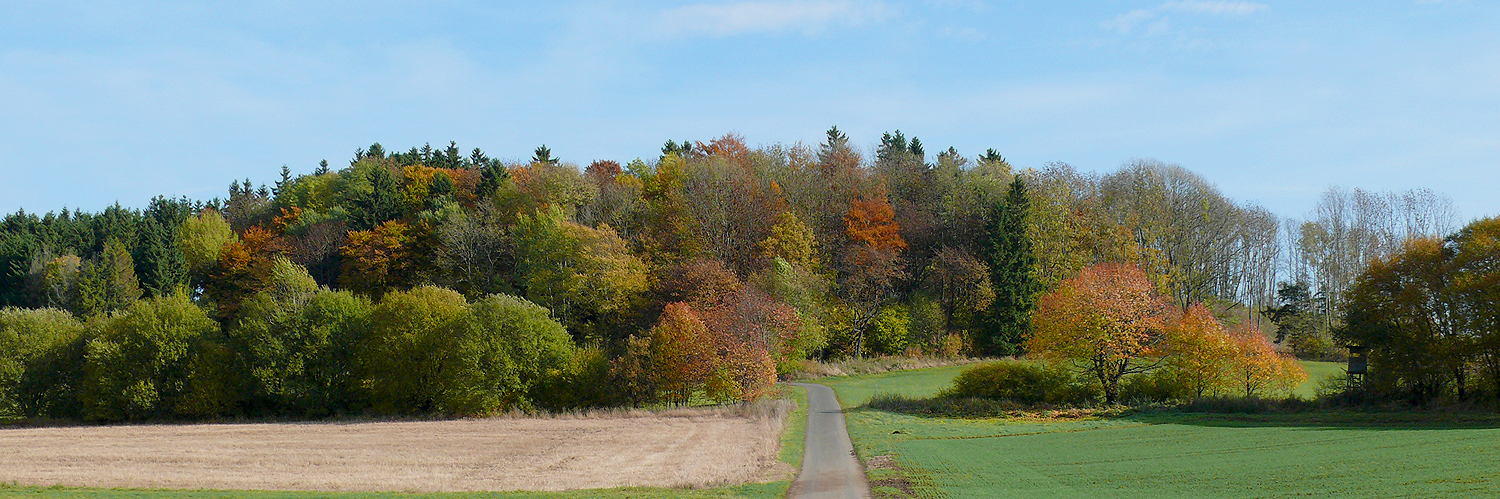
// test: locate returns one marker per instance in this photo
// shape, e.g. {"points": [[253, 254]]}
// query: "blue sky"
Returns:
{"points": [[1272, 101]]}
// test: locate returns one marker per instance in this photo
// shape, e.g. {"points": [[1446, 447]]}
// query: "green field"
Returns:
{"points": [[1168, 455], [1316, 373], [791, 453]]}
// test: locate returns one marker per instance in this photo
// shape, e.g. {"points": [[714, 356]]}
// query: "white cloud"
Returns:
{"points": [[1215, 7], [1158, 27], [740, 18], [965, 34], [1125, 23], [1128, 22]]}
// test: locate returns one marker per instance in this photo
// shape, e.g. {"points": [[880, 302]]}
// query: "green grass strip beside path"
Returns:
{"points": [[795, 436]]}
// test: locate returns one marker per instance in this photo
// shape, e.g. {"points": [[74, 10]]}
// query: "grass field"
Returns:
{"points": [[1167, 455], [1316, 373], [791, 454]]}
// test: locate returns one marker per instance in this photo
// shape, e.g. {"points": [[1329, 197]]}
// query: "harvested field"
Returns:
{"points": [[686, 449]]}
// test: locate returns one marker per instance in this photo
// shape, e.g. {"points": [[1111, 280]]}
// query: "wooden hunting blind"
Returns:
{"points": [[1357, 361], [1358, 366]]}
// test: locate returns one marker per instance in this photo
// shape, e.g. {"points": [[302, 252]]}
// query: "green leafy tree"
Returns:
{"points": [[1402, 308], [585, 276], [27, 338], [507, 352], [200, 239], [412, 335], [286, 343], [141, 362], [889, 330]]}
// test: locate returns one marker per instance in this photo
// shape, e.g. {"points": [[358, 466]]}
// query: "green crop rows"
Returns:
{"points": [[1167, 455]]}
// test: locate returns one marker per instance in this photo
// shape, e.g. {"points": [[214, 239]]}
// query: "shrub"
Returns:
{"points": [[1022, 382], [506, 351], [411, 334], [1161, 385], [28, 340], [141, 362]]}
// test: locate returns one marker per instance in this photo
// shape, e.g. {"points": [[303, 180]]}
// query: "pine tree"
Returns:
{"points": [[159, 261], [1010, 259], [543, 155], [107, 283]]}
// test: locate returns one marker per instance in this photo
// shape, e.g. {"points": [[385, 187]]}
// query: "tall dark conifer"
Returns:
{"points": [[1010, 260], [159, 262]]}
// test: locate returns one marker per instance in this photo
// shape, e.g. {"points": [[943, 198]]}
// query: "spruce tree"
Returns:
{"points": [[1010, 260]]}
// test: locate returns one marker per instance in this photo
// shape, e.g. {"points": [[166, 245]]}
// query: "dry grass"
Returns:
{"points": [[674, 448], [875, 365]]}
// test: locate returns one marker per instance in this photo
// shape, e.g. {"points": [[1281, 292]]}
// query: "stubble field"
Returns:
{"points": [[693, 449]]}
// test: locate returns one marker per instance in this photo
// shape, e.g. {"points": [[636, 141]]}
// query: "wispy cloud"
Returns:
{"points": [[739, 18], [1125, 23], [1215, 7], [1158, 23]]}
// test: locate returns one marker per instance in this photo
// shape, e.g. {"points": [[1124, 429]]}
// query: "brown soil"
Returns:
{"points": [[682, 450]]}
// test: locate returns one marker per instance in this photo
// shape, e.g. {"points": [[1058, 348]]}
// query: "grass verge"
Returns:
{"points": [[794, 437]]}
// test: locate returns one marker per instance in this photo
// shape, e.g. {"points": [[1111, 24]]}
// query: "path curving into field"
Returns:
{"points": [[829, 467]]}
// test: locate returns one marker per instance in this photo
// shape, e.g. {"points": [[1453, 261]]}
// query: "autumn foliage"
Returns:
{"points": [[698, 275], [1110, 322]]}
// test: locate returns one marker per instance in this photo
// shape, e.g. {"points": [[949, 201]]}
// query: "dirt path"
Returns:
{"points": [[829, 467], [465, 455]]}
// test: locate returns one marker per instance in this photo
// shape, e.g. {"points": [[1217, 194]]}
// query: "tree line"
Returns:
{"points": [[703, 272]]}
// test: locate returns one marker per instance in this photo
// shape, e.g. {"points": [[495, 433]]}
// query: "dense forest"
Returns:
{"points": [[430, 281]]}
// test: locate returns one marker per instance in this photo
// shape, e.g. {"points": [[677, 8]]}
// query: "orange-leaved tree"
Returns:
{"points": [[752, 332], [871, 263], [1256, 367], [378, 260], [681, 353], [1109, 321], [1201, 350], [242, 269]]}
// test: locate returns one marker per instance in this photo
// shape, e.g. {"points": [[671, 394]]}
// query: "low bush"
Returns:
{"points": [[140, 363], [1161, 385], [29, 339], [1022, 382]]}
